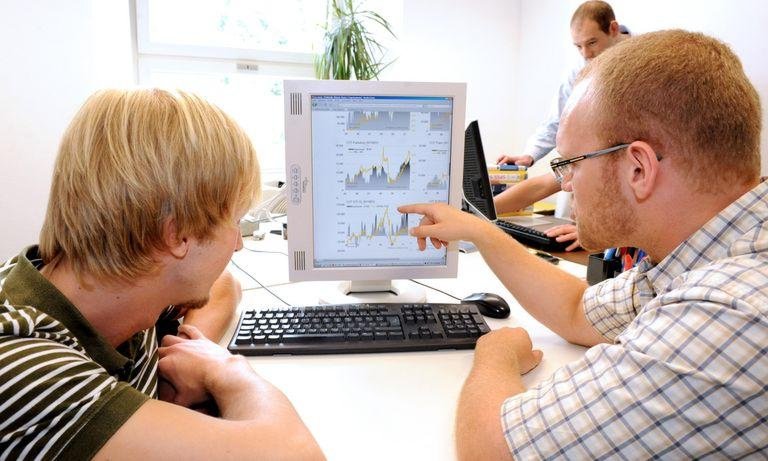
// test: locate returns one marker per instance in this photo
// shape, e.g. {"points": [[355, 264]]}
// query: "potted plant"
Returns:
{"points": [[350, 50]]}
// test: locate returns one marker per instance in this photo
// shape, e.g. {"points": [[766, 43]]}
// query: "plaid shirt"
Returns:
{"points": [[687, 374]]}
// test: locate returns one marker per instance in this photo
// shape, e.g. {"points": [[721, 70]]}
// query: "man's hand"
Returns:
{"points": [[520, 160], [257, 419], [501, 356], [565, 233], [442, 224], [191, 366], [507, 350]]}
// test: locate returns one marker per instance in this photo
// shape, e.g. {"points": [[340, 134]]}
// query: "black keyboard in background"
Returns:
{"points": [[355, 328], [532, 237]]}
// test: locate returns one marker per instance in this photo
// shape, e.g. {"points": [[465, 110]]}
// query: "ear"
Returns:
{"points": [[177, 245], [613, 29], [643, 170]]}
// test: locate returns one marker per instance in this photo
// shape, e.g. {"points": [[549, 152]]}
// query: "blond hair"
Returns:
{"points": [[687, 95], [129, 161]]}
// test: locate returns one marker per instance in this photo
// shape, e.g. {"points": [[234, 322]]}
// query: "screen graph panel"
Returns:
{"points": [[369, 156]]}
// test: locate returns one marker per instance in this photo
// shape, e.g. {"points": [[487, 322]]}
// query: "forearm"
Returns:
{"points": [[264, 410], [525, 193], [213, 319], [479, 433], [549, 294]]}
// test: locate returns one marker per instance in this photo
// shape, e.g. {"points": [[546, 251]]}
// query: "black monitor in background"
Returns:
{"points": [[529, 230], [477, 185]]}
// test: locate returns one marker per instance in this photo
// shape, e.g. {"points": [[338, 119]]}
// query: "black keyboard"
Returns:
{"points": [[532, 237], [354, 328]]}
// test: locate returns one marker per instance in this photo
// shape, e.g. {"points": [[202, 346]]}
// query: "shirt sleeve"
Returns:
{"points": [[57, 403], [544, 138], [611, 305]]}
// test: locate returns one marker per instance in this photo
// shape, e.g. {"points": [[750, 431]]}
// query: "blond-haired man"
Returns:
{"points": [[148, 188], [678, 360]]}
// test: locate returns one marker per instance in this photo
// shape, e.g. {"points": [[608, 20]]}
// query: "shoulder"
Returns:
{"points": [[736, 282], [708, 317], [51, 389]]}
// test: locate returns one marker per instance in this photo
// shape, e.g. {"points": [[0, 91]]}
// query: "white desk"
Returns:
{"points": [[391, 405]]}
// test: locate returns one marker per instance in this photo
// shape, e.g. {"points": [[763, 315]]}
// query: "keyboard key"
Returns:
{"points": [[243, 339], [326, 337], [454, 333]]}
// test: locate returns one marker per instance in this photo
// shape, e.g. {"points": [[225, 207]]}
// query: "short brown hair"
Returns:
{"points": [[595, 10], [687, 95], [130, 160]]}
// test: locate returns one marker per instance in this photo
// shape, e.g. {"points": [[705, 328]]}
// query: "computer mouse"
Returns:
{"points": [[489, 304]]}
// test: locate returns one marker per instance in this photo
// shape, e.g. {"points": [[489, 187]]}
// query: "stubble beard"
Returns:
{"points": [[610, 220]]}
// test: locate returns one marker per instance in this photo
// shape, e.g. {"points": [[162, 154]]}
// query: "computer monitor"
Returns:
{"points": [[477, 186], [355, 151]]}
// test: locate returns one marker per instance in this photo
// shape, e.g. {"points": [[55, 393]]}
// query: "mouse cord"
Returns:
{"points": [[260, 284], [436, 289]]}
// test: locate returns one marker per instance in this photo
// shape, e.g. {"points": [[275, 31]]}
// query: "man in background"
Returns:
{"points": [[678, 362], [147, 192], [594, 29]]}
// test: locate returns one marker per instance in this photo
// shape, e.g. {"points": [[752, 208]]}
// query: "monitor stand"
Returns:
{"points": [[374, 291]]}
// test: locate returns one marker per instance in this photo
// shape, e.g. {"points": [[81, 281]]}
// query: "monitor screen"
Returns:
{"points": [[355, 151], [371, 154]]}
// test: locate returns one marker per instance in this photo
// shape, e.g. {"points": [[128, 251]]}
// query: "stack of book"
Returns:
{"points": [[503, 177]]}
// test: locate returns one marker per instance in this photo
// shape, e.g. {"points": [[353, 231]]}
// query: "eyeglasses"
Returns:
{"points": [[562, 167]]}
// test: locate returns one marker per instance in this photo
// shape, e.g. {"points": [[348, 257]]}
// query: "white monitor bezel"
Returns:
{"points": [[298, 152]]}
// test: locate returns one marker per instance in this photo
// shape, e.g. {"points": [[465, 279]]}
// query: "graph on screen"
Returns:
{"points": [[381, 176], [379, 228], [369, 156]]}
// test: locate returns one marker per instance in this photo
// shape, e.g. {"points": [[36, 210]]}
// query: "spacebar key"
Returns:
{"points": [[314, 338]]}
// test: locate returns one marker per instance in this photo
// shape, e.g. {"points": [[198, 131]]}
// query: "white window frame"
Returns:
{"points": [[146, 48], [150, 57]]}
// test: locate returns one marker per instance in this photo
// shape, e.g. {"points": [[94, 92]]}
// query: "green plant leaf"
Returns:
{"points": [[350, 48]]}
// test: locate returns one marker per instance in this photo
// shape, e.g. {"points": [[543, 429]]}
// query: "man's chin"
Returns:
{"points": [[192, 304]]}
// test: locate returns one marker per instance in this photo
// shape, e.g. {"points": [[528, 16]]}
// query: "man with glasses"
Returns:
{"points": [[678, 359]]}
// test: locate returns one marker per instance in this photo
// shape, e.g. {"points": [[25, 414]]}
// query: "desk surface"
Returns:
{"points": [[390, 405]]}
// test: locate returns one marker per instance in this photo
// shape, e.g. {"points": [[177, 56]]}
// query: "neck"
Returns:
{"points": [[116, 310], [690, 212]]}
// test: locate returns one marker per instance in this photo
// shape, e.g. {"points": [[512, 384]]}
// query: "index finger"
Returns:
{"points": [[418, 208]]}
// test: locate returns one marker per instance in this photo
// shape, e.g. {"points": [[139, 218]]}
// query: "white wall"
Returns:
{"points": [[546, 52], [473, 42], [54, 55]]}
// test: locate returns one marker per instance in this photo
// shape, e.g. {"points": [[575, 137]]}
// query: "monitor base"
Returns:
{"points": [[374, 291]]}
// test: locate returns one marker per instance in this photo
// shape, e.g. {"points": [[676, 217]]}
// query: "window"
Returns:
{"points": [[235, 53]]}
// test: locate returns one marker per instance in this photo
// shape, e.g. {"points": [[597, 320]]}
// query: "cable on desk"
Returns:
{"points": [[264, 251], [436, 289], [260, 284]]}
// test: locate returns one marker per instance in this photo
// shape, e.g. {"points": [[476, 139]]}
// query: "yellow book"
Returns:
{"points": [[502, 178]]}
